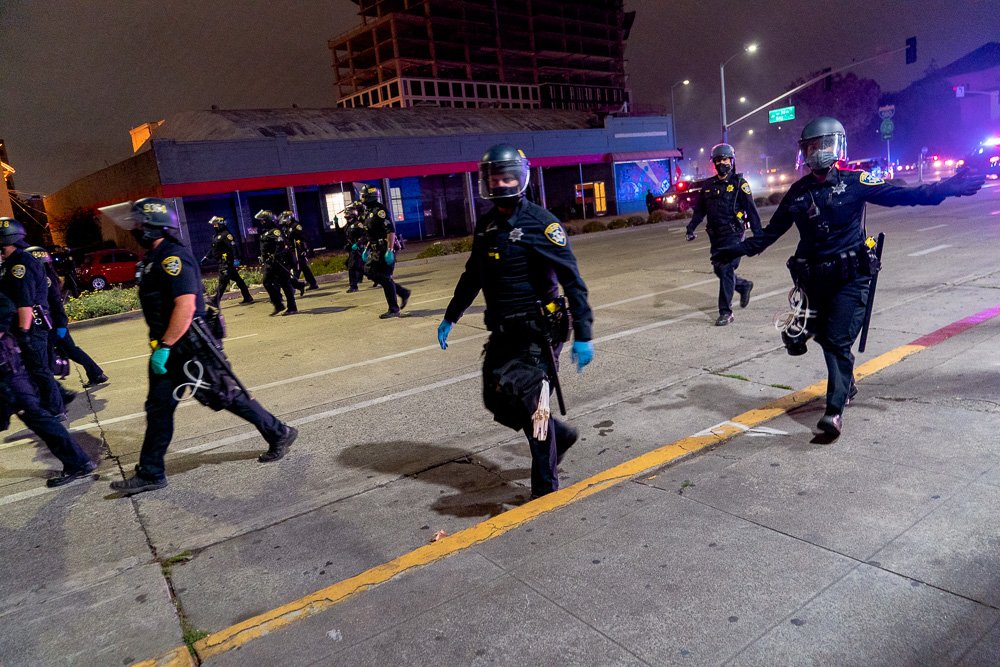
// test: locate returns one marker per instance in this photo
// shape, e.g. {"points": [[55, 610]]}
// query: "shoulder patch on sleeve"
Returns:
{"points": [[229, 236], [555, 233], [381, 213], [745, 187], [18, 271], [172, 265], [870, 179]]}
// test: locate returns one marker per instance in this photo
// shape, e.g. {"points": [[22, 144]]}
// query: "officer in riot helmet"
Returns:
{"points": [[298, 248], [223, 251], [728, 204], [357, 240], [23, 279], [185, 350], [520, 256], [60, 338], [277, 277], [380, 255], [834, 263]]}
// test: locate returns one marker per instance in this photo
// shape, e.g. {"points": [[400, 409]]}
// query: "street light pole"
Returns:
{"points": [[673, 118], [722, 77]]}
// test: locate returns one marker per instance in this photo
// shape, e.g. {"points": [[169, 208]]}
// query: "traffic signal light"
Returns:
{"points": [[911, 50]]}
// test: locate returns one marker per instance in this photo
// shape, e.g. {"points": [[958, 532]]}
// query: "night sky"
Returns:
{"points": [[76, 76]]}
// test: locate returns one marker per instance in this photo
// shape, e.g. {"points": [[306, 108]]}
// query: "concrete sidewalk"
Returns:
{"points": [[772, 549]]}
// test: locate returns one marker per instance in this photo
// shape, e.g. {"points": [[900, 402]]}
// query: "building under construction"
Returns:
{"points": [[515, 54]]}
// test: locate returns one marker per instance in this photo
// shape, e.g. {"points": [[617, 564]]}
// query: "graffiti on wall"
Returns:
{"points": [[632, 179]]}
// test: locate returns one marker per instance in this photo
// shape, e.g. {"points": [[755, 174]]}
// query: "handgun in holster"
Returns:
{"points": [[41, 318]]}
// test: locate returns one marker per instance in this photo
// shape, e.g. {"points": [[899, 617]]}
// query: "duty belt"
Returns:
{"points": [[845, 266]]}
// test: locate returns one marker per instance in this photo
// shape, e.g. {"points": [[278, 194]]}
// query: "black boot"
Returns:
{"points": [[137, 484], [745, 294], [566, 437], [724, 320], [832, 425], [278, 449], [67, 476]]}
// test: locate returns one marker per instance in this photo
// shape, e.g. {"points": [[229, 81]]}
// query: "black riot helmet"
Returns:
{"points": [[369, 194], [266, 219], [154, 220], [823, 143], [286, 218], [11, 231], [40, 253], [503, 173], [218, 222], [721, 151]]}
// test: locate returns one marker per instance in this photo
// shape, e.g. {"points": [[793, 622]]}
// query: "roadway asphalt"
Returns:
{"points": [[768, 548]]}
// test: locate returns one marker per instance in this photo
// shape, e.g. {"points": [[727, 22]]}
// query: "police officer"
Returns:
{"points": [[19, 396], [23, 280], [833, 264], [379, 255], [520, 255], [728, 203], [299, 247], [223, 251], [171, 295], [59, 336], [356, 241], [274, 257], [66, 268]]}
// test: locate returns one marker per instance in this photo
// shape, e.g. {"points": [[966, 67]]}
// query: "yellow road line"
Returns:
{"points": [[271, 621]]}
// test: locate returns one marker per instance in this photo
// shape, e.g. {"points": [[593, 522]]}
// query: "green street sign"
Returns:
{"points": [[783, 114], [887, 128]]}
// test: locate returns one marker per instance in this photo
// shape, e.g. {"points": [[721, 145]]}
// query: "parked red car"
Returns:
{"points": [[100, 269]]}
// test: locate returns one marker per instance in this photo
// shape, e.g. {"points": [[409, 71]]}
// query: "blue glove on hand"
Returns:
{"points": [[354, 246], [390, 257], [236, 262], [61, 332], [582, 354], [365, 254], [159, 360], [443, 330]]}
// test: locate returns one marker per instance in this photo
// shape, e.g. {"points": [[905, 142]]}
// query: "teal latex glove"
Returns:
{"points": [[159, 360], [443, 330], [354, 246], [390, 257], [365, 254], [582, 354], [61, 332]]}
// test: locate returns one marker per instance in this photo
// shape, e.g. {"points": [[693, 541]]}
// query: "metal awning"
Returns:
{"points": [[633, 156]]}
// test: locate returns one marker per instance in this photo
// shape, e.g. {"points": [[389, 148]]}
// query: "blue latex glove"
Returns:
{"points": [[443, 330], [582, 354], [365, 254], [159, 360], [390, 257], [236, 262], [354, 246], [61, 332]]}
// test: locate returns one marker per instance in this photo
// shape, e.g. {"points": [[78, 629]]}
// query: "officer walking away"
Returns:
{"points": [[66, 267], [727, 202], [19, 396], [833, 263], [650, 200], [274, 251], [520, 256], [380, 255], [60, 338], [170, 293], [299, 246], [357, 239], [23, 279], [223, 251]]}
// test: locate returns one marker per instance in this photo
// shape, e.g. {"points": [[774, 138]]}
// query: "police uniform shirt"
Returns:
{"points": [[377, 222], [729, 205], [272, 243], [8, 314], [356, 232], [165, 273], [518, 260], [222, 247], [829, 215], [24, 280]]}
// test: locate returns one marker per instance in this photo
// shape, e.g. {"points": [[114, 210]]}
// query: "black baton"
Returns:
{"points": [[871, 293], [196, 325], [547, 340]]}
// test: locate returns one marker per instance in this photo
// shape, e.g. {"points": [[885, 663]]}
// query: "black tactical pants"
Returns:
{"points": [[69, 349], [840, 310], [37, 359], [355, 268], [302, 268], [227, 273], [728, 282], [160, 407], [381, 274], [276, 280], [46, 425]]}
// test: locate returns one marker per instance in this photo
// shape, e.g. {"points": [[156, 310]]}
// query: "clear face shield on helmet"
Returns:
{"points": [[822, 152], [506, 178]]}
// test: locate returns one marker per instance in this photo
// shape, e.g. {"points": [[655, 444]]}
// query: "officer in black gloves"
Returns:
{"points": [[379, 255], [298, 246], [520, 256], [223, 251], [171, 295], [277, 277], [728, 203], [833, 264], [19, 396], [357, 240], [23, 279]]}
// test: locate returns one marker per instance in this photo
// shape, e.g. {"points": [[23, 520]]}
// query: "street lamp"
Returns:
{"points": [[743, 100], [673, 121], [750, 48]]}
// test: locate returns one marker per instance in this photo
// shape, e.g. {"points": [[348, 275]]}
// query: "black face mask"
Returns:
{"points": [[723, 169], [507, 202], [145, 236]]}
